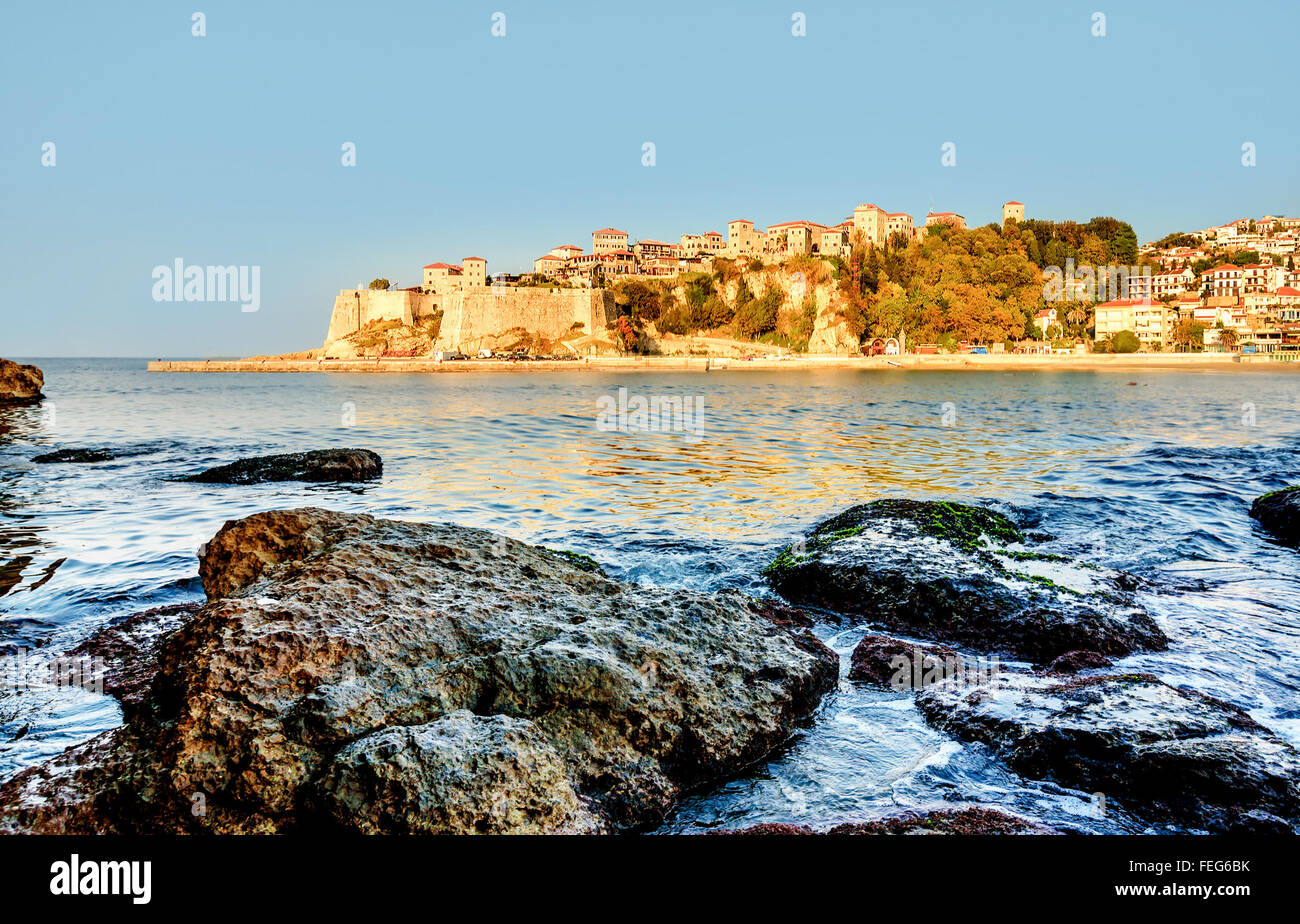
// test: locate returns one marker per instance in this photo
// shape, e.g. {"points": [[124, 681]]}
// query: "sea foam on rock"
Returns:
{"points": [[962, 574], [1163, 754], [383, 676]]}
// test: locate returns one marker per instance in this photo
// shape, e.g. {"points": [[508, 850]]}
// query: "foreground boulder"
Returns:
{"points": [[961, 574], [316, 465], [380, 676], [1161, 753], [1279, 513], [20, 384]]}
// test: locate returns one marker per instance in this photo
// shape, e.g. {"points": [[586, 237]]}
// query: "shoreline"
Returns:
{"points": [[1132, 362]]}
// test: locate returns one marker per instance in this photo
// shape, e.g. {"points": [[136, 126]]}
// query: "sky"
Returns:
{"points": [[227, 148]]}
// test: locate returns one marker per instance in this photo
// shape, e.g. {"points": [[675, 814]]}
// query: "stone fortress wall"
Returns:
{"points": [[473, 315]]}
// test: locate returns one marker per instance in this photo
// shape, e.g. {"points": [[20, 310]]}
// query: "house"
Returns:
{"points": [[1045, 320], [1172, 283], [548, 265], [793, 237], [743, 238], [1152, 322], [1223, 281], [1013, 209], [951, 219], [473, 273], [441, 278], [872, 222], [608, 240], [648, 250], [898, 223]]}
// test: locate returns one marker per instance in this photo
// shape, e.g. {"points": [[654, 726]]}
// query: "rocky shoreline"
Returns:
{"points": [[354, 673], [365, 674]]}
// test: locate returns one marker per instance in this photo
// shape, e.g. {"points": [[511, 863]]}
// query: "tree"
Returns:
{"points": [[1189, 335], [625, 335], [757, 316], [380, 283], [1125, 342], [1228, 339], [1124, 245]]}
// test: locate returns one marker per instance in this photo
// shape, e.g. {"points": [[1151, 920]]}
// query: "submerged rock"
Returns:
{"points": [[316, 465], [961, 574], [937, 821], [82, 456], [1074, 661], [377, 675], [20, 384], [1162, 753], [1279, 513]]}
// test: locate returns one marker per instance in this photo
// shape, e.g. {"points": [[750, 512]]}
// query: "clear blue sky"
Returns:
{"points": [[226, 149]]}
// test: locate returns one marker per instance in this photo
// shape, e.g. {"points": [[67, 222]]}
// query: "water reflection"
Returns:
{"points": [[1154, 477]]}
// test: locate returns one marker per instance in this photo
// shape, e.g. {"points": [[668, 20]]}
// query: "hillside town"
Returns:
{"points": [[1227, 288]]}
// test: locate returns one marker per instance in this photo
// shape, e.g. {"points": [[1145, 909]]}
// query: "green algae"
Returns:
{"points": [[579, 560]]}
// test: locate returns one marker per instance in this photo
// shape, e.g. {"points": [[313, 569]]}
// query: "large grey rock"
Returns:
{"points": [[389, 676], [1162, 753], [962, 574]]}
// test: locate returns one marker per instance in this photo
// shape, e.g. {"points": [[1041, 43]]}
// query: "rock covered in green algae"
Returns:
{"points": [[315, 465], [962, 574], [378, 675], [1162, 753], [1278, 512]]}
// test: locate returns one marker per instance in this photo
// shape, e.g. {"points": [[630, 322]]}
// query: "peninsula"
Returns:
{"points": [[872, 289]]}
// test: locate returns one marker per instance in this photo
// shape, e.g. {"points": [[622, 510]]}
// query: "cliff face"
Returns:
{"points": [[369, 322], [479, 318]]}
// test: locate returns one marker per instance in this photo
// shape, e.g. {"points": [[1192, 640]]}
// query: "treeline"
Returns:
{"points": [[983, 285], [698, 302]]}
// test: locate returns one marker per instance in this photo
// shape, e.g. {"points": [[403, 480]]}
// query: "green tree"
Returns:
{"points": [[379, 284], [757, 316], [1125, 342], [1124, 245]]}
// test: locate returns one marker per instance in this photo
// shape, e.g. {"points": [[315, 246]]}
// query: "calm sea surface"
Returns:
{"points": [[1151, 472]]}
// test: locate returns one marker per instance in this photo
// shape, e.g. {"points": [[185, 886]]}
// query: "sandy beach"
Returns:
{"points": [[1132, 362]]}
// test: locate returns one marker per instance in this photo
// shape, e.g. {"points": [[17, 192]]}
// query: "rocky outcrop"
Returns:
{"points": [[962, 574], [1161, 753], [832, 334], [20, 384], [316, 465], [1278, 512], [374, 675], [937, 821]]}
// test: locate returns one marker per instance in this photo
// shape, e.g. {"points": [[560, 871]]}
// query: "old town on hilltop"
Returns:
{"points": [[874, 282]]}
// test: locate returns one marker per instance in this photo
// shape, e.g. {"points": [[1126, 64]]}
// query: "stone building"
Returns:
{"points": [[608, 240]]}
